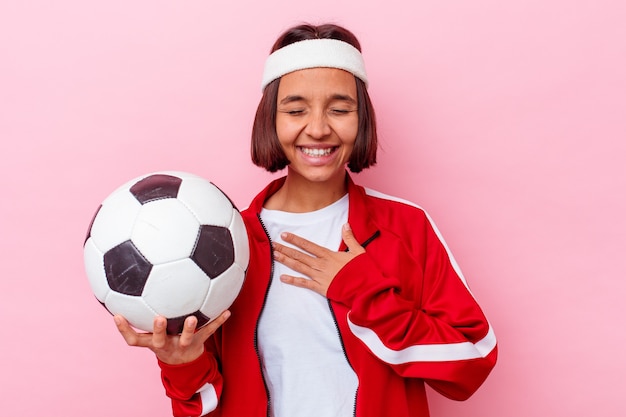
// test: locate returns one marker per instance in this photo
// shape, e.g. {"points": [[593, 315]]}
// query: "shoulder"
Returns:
{"points": [[402, 217], [381, 202], [375, 195], [388, 214]]}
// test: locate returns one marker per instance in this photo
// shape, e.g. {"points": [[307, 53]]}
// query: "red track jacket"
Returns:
{"points": [[403, 310]]}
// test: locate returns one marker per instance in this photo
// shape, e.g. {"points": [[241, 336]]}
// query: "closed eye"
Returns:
{"points": [[293, 112], [340, 112]]}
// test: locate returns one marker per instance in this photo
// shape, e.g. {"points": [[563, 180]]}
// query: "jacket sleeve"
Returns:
{"points": [[425, 324], [194, 388]]}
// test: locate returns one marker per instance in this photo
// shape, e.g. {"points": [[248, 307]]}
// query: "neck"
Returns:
{"points": [[300, 196]]}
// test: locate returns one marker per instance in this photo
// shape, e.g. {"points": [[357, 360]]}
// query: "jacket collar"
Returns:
{"points": [[358, 215], [257, 204]]}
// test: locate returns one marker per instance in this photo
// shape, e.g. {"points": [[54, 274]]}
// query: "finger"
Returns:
{"points": [[130, 336], [290, 252], [205, 332], [219, 320], [213, 325], [283, 251], [294, 259], [189, 329], [348, 237], [301, 282], [303, 244], [159, 332]]}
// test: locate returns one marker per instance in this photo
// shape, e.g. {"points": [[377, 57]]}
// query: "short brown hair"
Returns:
{"points": [[266, 151]]}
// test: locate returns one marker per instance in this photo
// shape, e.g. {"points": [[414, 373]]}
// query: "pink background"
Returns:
{"points": [[505, 120]]}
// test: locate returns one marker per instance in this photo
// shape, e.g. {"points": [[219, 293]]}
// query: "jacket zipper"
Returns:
{"points": [[332, 312], [256, 328], [343, 348], [368, 240]]}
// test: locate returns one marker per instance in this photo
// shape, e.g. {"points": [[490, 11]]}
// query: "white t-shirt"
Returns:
{"points": [[304, 364]]}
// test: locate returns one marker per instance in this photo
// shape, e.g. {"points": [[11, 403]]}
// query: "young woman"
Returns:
{"points": [[352, 301]]}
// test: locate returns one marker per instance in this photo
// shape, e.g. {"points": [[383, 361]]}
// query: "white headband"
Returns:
{"points": [[314, 53]]}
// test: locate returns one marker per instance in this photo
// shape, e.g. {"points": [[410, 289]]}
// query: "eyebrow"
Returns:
{"points": [[291, 99], [342, 97], [334, 97]]}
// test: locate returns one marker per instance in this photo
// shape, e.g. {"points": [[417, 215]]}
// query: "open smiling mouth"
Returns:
{"points": [[317, 152]]}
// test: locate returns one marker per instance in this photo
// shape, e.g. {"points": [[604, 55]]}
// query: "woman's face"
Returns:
{"points": [[317, 122]]}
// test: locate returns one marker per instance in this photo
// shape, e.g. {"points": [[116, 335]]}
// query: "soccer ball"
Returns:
{"points": [[169, 244]]}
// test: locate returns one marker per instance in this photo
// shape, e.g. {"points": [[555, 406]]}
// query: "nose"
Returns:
{"points": [[317, 126]]}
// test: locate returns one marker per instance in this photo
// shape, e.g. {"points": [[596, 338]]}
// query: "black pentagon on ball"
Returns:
{"points": [[214, 252], [175, 324], [126, 269], [156, 187]]}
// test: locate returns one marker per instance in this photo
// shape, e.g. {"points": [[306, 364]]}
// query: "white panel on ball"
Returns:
{"points": [[158, 237], [132, 308], [115, 220], [206, 201], [95, 270], [223, 291], [177, 288], [240, 240]]}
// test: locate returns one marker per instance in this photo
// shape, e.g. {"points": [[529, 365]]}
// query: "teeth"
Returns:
{"points": [[316, 152]]}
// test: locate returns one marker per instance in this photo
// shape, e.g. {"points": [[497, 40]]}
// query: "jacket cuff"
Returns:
{"points": [[183, 380], [358, 274]]}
